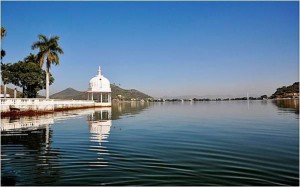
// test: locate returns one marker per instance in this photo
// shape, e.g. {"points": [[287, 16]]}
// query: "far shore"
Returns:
{"points": [[14, 113]]}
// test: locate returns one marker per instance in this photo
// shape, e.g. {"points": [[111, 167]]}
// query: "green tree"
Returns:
{"points": [[3, 33], [284, 91], [27, 75], [31, 58], [5, 76], [263, 97], [49, 51]]}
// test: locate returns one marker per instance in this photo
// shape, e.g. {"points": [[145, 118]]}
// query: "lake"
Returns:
{"points": [[189, 143]]}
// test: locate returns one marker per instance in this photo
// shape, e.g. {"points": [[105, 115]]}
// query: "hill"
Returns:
{"points": [[68, 93], [117, 93], [10, 91], [291, 91], [127, 94]]}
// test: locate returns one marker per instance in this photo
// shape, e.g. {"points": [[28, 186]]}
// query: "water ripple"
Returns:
{"points": [[172, 145]]}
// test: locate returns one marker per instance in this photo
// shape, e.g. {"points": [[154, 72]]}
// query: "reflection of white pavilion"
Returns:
{"points": [[99, 124], [99, 90]]}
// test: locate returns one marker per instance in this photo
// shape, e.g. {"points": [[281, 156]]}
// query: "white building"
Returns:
{"points": [[99, 90]]}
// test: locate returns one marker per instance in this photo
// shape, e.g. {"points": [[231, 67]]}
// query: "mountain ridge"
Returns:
{"points": [[117, 93], [207, 96]]}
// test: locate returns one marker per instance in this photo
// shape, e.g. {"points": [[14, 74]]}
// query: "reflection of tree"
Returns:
{"points": [[21, 148], [128, 108], [288, 105]]}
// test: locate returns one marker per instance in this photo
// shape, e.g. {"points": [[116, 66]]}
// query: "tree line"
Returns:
{"points": [[28, 73], [286, 91]]}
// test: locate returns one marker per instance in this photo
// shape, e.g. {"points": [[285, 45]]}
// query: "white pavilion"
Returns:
{"points": [[99, 90]]}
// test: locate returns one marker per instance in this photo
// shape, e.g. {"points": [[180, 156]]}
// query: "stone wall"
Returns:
{"points": [[44, 105]]}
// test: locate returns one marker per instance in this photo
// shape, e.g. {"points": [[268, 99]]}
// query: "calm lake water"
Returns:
{"points": [[201, 143]]}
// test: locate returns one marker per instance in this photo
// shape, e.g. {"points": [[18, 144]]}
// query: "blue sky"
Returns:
{"points": [[163, 48]]}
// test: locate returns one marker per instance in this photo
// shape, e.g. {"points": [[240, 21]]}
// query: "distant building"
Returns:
{"points": [[99, 90]]}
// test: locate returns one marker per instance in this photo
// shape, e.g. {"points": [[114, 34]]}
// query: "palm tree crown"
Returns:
{"points": [[3, 33], [49, 49], [30, 58]]}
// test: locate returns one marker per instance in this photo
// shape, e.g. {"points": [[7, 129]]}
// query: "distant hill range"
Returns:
{"points": [[10, 92], [117, 93], [291, 91], [199, 96]]}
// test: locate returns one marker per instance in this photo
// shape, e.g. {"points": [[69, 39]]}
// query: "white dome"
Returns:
{"points": [[99, 83]]}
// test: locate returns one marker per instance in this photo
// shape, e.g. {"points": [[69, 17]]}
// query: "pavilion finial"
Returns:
{"points": [[99, 71]]}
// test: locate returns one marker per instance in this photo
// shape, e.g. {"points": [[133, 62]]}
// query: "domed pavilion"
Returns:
{"points": [[99, 90]]}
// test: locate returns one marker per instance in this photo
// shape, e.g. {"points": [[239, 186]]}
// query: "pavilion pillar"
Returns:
{"points": [[15, 93], [92, 96], [101, 98], [4, 90]]}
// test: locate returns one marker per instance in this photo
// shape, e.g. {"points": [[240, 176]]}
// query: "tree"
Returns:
{"points": [[3, 33], [31, 58], [5, 73], [263, 97], [5, 76], [49, 51], [286, 91], [27, 75]]}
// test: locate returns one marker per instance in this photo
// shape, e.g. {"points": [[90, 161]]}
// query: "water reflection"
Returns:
{"points": [[99, 124], [28, 155], [128, 108], [219, 143], [26, 148], [33, 122], [99, 119], [287, 105]]}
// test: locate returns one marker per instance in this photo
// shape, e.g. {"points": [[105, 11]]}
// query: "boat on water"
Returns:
{"points": [[15, 108]]}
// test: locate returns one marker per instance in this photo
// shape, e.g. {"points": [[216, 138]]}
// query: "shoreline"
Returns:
{"points": [[35, 106], [31, 113]]}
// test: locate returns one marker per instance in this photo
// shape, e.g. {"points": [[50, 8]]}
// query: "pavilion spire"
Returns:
{"points": [[99, 71]]}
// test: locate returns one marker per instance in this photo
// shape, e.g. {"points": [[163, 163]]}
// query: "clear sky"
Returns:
{"points": [[163, 48]]}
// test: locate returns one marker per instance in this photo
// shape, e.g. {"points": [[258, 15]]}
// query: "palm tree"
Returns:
{"points": [[31, 58], [3, 33], [49, 50]]}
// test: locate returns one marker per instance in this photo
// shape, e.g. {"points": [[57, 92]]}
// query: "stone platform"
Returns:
{"points": [[47, 105]]}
